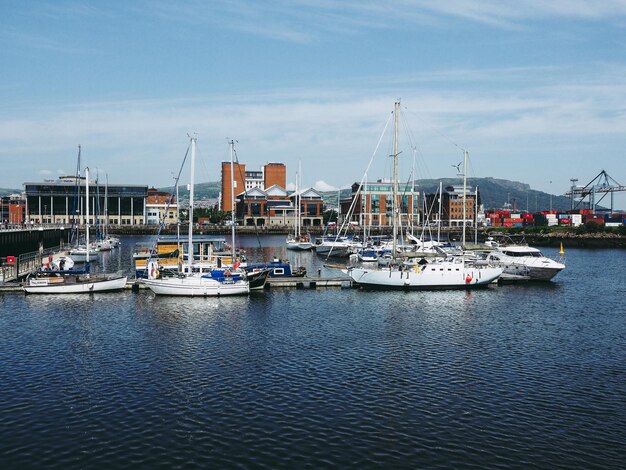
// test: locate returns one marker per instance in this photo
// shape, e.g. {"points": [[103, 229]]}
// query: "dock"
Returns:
{"points": [[272, 283], [308, 282]]}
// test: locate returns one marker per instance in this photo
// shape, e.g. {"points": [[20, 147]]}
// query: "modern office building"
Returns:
{"points": [[58, 201], [452, 206], [373, 204]]}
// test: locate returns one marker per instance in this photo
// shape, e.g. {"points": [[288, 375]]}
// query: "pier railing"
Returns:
{"points": [[27, 263], [25, 226]]}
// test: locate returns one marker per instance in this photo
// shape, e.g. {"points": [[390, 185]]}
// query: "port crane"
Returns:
{"points": [[600, 186]]}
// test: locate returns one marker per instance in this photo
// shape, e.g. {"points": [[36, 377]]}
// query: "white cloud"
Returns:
{"points": [[332, 131], [307, 20]]}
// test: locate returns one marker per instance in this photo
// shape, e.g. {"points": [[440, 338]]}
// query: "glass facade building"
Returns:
{"points": [[61, 201]]}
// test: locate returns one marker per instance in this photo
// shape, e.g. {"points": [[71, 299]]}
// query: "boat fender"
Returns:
{"points": [[468, 278], [152, 270]]}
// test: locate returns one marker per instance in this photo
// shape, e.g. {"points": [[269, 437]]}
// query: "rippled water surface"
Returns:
{"points": [[521, 376]]}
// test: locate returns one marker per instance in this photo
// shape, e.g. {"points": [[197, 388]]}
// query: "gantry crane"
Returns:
{"points": [[602, 184]]}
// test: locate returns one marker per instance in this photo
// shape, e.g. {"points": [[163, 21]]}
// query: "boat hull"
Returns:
{"points": [[535, 268], [83, 286], [196, 287], [338, 251], [430, 277], [299, 246]]}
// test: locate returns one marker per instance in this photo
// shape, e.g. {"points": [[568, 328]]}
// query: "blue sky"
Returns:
{"points": [[535, 90]]}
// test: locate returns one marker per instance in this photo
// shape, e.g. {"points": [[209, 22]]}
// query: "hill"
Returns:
{"points": [[7, 191], [210, 190], [494, 193]]}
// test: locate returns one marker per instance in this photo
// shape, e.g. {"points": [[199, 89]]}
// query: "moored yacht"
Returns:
{"points": [[526, 261], [454, 273], [194, 281]]}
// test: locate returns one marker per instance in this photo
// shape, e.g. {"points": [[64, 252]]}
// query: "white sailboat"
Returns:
{"points": [[451, 273], [58, 283], [297, 241], [194, 281]]}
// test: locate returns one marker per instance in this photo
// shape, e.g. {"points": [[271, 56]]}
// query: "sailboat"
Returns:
{"points": [[456, 272], [297, 241], [196, 280], [60, 283]]}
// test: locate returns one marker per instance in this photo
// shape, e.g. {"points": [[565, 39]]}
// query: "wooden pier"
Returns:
{"points": [[272, 283]]}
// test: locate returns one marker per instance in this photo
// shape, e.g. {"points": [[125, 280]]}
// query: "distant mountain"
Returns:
{"points": [[494, 193], [7, 191], [497, 193], [209, 190]]}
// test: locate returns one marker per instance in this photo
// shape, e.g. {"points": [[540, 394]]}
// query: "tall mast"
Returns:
{"points": [[177, 216], [464, 192], [298, 199], [439, 212], [232, 199], [394, 206], [295, 208], [413, 192], [476, 216], [87, 219], [96, 209], [106, 205], [191, 185]]}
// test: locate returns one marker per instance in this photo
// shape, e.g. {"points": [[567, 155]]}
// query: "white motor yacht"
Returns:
{"points": [[526, 261]]}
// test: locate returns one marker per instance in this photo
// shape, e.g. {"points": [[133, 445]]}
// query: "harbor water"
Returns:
{"points": [[514, 376]]}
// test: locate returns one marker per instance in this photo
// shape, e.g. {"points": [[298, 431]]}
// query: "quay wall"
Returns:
{"points": [[18, 241]]}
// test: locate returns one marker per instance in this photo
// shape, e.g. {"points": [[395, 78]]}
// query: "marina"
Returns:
{"points": [[513, 375], [313, 235]]}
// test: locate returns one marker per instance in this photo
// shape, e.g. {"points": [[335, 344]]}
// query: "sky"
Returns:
{"points": [[534, 90]]}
